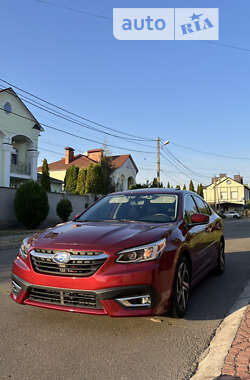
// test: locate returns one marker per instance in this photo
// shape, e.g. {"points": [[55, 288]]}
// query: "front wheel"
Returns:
{"points": [[220, 267], [181, 291]]}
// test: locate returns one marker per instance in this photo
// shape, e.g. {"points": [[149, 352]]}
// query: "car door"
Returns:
{"points": [[209, 235], [195, 238]]}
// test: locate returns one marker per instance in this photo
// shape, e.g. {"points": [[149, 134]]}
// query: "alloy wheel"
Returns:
{"points": [[221, 256], [182, 286]]}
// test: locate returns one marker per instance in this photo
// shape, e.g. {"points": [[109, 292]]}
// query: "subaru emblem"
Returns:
{"points": [[61, 257]]}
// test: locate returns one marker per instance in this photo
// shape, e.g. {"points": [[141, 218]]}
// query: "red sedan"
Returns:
{"points": [[133, 253]]}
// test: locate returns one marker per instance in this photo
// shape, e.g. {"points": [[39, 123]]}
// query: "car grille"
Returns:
{"points": [[81, 264], [63, 297]]}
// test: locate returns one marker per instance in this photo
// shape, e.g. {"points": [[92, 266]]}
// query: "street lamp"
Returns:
{"points": [[158, 159]]}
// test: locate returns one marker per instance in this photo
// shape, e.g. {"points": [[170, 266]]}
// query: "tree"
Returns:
{"points": [[92, 184], [70, 180], [184, 187], [64, 209], [168, 185], [191, 186], [201, 191], [99, 179], [178, 187], [45, 178], [106, 172], [31, 204], [198, 189], [81, 181]]}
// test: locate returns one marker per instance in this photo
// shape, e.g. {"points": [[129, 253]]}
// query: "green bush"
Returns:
{"points": [[248, 205], [64, 209], [31, 204]]}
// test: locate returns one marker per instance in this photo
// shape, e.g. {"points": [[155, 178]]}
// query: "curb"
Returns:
{"points": [[212, 360]]}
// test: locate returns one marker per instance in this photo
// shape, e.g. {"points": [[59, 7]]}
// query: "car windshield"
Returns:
{"points": [[154, 208]]}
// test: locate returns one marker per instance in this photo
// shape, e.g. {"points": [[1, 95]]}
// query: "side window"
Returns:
{"points": [[190, 208], [202, 206]]}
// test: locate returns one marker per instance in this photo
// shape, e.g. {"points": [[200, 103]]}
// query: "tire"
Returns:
{"points": [[181, 290], [220, 267], [235, 217]]}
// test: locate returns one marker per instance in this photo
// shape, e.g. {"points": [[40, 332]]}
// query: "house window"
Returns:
{"points": [[234, 194], [223, 195], [7, 107], [14, 157]]}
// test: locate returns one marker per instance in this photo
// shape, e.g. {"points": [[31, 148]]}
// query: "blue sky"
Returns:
{"points": [[193, 93]]}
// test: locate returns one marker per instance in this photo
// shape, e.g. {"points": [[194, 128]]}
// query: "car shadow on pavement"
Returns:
{"points": [[214, 296]]}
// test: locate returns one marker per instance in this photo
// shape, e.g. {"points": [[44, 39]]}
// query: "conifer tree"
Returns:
{"points": [[81, 181], [184, 187], [45, 179], [71, 179], [201, 191], [168, 185], [191, 186]]}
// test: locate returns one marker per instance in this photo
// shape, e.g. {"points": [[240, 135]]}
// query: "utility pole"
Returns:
{"points": [[158, 163], [158, 159]]}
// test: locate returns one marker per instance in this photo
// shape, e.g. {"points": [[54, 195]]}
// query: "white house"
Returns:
{"points": [[124, 173], [19, 131]]}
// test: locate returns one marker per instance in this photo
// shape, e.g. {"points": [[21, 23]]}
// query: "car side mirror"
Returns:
{"points": [[199, 219]]}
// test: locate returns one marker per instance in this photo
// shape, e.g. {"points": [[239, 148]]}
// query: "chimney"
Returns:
{"points": [[69, 155], [214, 179], [95, 154], [222, 175], [238, 178]]}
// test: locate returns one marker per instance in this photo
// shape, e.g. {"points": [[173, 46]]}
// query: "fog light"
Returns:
{"points": [[146, 300], [136, 301], [16, 289]]}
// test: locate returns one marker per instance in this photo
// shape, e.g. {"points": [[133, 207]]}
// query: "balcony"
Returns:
{"points": [[21, 168]]}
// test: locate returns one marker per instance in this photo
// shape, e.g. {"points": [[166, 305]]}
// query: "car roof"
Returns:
{"points": [[154, 190]]}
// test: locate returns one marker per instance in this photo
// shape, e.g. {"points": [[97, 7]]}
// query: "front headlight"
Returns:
{"points": [[23, 250], [143, 253]]}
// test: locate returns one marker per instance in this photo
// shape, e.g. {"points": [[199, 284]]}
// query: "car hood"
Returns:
{"points": [[103, 236]]}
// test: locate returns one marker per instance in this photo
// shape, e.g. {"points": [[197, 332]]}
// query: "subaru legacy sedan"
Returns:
{"points": [[133, 253]]}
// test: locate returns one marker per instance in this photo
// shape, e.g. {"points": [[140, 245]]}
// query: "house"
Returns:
{"points": [[227, 193], [56, 186], [19, 132], [124, 174]]}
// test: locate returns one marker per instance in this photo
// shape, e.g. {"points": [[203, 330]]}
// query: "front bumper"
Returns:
{"points": [[125, 301]]}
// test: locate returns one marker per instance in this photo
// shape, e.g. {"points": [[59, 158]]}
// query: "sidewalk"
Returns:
{"points": [[237, 363], [228, 355]]}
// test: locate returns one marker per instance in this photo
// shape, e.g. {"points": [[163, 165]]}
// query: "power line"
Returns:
{"points": [[228, 46], [87, 13], [80, 11], [178, 166], [61, 116], [175, 165], [210, 153], [74, 114], [78, 136], [184, 166]]}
